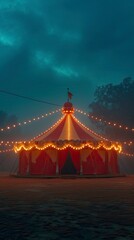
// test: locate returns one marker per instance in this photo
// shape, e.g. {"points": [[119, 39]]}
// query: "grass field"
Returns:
{"points": [[99, 208]]}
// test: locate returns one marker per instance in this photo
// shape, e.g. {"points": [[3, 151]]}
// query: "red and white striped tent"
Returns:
{"points": [[68, 147]]}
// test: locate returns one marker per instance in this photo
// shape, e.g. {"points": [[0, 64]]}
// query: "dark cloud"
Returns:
{"points": [[47, 46]]}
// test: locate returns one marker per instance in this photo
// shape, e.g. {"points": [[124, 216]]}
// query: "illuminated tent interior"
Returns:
{"points": [[68, 147]]}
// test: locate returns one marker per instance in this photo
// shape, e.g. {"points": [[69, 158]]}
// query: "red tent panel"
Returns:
{"points": [[99, 162], [24, 162], [62, 155], [87, 161], [94, 161], [75, 154], [41, 163], [113, 163]]}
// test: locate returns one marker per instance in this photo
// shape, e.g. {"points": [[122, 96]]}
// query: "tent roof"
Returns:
{"points": [[68, 128], [68, 132]]}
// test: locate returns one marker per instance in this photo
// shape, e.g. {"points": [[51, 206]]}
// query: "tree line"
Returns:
{"points": [[115, 103]]}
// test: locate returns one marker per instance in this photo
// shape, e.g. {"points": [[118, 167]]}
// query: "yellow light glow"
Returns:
{"points": [[68, 127], [29, 146]]}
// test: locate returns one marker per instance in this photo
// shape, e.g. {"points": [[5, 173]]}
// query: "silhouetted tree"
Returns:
{"points": [[115, 103], [7, 159]]}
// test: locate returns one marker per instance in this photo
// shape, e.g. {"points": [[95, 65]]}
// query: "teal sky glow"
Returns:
{"points": [[48, 46]]}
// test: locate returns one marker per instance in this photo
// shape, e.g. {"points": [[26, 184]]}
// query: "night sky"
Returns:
{"points": [[47, 46]]}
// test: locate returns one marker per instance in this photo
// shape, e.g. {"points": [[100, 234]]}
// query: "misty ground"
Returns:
{"points": [[56, 209]]}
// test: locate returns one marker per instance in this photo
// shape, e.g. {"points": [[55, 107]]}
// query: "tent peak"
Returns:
{"points": [[68, 108]]}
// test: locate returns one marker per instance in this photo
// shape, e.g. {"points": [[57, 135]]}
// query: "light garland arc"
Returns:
{"points": [[69, 145], [94, 133], [52, 145], [9, 143], [12, 150], [58, 122], [109, 123], [6, 150], [46, 115], [32, 144], [29, 121], [127, 154]]}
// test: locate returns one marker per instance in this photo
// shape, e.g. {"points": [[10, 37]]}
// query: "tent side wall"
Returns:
{"points": [[42, 162], [23, 162], [50, 162], [36, 162], [99, 161], [69, 161], [113, 162]]}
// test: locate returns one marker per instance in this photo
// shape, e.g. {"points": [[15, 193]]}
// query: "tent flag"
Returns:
{"points": [[69, 95]]}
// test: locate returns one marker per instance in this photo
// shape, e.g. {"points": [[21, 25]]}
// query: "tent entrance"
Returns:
{"points": [[68, 167]]}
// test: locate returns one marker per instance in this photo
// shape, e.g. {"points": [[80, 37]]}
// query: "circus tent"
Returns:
{"points": [[68, 147]]}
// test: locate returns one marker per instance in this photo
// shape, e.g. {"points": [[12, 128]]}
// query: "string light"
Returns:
{"points": [[29, 121], [32, 144], [95, 134], [5, 151], [9, 142], [112, 124], [6, 144], [60, 120], [27, 147], [128, 143], [53, 126], [127, 154]]}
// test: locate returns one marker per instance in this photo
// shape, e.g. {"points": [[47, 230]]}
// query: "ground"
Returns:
{"points": [[54, 209]]}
